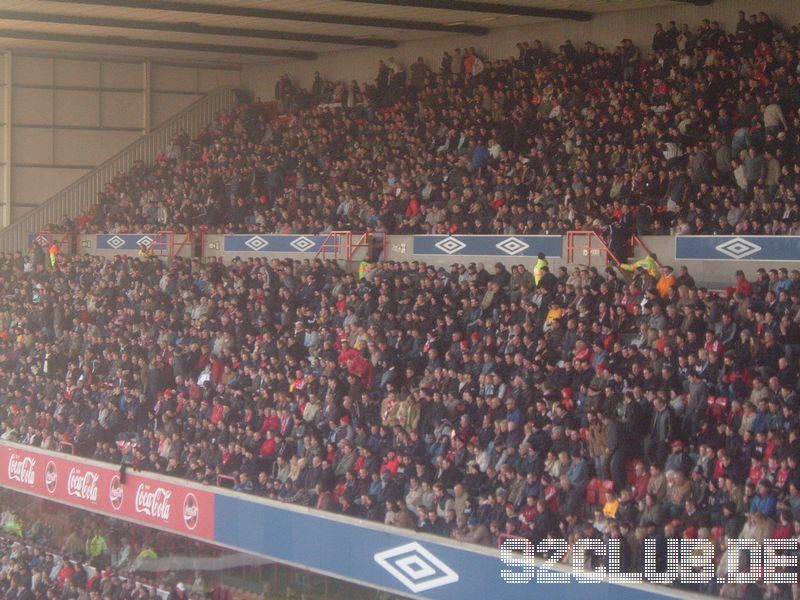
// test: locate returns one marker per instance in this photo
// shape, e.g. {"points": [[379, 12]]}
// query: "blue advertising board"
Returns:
{"points": [[489, 245], [387, 558], [731, 247], [129, 241], [299, 244], [372, 554]]}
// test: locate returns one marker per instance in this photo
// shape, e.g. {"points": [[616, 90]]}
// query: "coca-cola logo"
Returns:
{"points": [[154, 503], [82, 485], [51, 477], [115, 493], [191, 511], [21, 469]]}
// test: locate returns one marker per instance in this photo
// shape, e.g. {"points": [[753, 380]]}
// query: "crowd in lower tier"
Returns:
{"points": [[467, 402]]}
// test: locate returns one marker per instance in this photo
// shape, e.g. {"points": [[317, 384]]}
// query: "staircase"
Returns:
{"points": [[81, 195], [585, 247]]}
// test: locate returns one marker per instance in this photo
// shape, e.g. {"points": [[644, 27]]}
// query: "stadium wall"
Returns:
{"points": [[69, 114], [605, 28], [712, 260]]}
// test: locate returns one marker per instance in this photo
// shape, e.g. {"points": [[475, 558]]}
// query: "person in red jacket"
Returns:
{"points": [[217, 411], [346, 353], [361, 368], [742, 286], [268, 446]]}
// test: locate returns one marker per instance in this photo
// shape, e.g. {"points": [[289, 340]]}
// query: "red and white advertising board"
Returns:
{"points": [[154, 501]]}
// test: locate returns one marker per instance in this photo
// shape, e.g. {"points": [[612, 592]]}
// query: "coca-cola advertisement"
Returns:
{"points": [[22, 469], [157, 502], [83, 484]]}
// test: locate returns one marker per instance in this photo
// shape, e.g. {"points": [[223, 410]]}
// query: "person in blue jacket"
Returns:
{"points": [[764, 501]]}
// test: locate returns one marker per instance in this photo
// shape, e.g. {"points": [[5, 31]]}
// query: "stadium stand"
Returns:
{"points": [[699, 136], [471, 403]]}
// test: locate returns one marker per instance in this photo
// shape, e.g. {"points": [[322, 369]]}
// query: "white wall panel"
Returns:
{"points": [[164, 105], [77, 73], [172, 78], [2, 147], [33, 145], [31, 106], [19, 211], [32, 185], [214, 78], [2, 68], [77, 108], [122, 75], [121, 109], [32, 70], [88, 147], [60, 128]]}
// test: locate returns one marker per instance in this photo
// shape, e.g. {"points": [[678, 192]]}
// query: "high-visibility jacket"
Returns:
{"points": [[363, 268], [53, 254], [650, 265], [537, 270], [96, 546]]}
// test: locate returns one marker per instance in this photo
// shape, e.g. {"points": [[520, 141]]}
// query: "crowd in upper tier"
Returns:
{"points": [[698, 134], [468, 403]]}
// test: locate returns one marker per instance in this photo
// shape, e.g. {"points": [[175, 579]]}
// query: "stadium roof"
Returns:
{"points": [[245, 31]]}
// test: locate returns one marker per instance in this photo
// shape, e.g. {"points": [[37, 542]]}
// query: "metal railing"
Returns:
{"points": [[81, 195]]}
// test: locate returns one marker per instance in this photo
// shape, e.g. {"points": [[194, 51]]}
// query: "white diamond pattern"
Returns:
{"points": [[738, 248], [512, 246], [256, 243], [415, 567], [302, 244], [450, 245], [115, 242]]}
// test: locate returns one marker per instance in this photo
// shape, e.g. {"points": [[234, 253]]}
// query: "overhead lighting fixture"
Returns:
{"points": [[454, 24]]}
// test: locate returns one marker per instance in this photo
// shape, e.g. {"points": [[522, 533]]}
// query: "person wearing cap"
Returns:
{"points": [[477, 533], [501, 276], [678, 460]]}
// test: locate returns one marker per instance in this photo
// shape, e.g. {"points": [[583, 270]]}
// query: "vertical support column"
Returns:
{"points": [[148, 95], [7, 130]]}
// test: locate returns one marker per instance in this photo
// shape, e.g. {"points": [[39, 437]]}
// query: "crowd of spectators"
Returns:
{"points": [[29, 571], [468, 403], [49, 551], [700, 135]]}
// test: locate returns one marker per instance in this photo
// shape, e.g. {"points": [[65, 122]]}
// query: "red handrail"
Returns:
{"points": [[635, 239], [590, 234], [347, 241], [335, 237]]}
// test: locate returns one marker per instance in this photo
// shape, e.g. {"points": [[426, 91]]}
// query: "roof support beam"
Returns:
{"points": [[486, 7], [283, 15], [193, 28], [158, 44]]}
